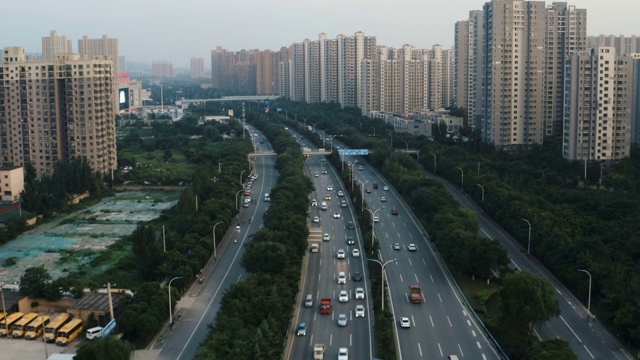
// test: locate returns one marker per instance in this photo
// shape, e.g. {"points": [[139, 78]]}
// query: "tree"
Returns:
{"points": [[550, 350], [109, 348], [527, 299], [35, 282], [146, 250]]}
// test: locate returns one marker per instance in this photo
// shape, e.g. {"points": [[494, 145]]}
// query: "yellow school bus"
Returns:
{"points": [[51, 330], [6, 325], [36, 327], [69, 332], [2, 314], [20, 326]]}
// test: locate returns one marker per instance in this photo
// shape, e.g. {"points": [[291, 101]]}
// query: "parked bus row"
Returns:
{"points": [[62, 330]]}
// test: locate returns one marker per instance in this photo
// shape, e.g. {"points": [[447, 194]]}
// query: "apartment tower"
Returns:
{"points": [[598, 105], [197, 67], [54, 45], [52, 111]]}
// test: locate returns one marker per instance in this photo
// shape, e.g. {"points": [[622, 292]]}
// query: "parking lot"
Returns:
{"points": [[21, 349]]}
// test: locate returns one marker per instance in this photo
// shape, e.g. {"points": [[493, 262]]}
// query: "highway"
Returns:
{"points": [[200, 304], [441, 325], [588, 339], [322, 269]]}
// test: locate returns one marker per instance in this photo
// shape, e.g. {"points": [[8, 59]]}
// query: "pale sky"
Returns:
{"points": [[176, 30]]}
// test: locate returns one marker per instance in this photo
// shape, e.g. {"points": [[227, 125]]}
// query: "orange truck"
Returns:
{"points": [[416, 294]]}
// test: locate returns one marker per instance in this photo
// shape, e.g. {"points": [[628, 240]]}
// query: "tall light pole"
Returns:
{"points": [[434, 162], [481, 187], [215, 252], [383, 275], [314, 126], [242, 173], [362, 191], [239, 191], [407, 144], [528, 242], [589, 300], [331, 142], [170, 305], [461, 178], [373, 224]]}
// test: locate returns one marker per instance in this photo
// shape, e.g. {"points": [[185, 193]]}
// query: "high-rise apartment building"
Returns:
{"points": [[266, 73], [514, 50], [104, 46], [162, 68], [635, 111], [58, 110], [468, 67], [54, 45], [624, 45], [598, 105], [197, 67], [566, 34]]}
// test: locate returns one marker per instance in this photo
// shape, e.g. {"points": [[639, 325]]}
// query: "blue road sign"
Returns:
{"points": [[109, 328], [353, 152]]}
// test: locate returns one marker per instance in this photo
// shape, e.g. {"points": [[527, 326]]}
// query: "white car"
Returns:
{"points": [[383, 199], [329, 188], [316, 174], [376, 219], [344, 296], [385, 188], [412, 247], [359, 293], [314, 202], [336, 215], [326, 237], [324, 171], [340, 193], [359, 311], [342, 278], [405, 322], [341, 254], [342, 320], [355, 253], [343, 354], [316, 220]]}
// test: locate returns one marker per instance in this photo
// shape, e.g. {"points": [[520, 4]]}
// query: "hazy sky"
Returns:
{"points": [[176, 30]]}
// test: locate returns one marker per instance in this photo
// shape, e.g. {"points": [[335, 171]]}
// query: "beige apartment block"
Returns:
{"points": [[56, 111], [11, 183], [599, 98], [197, 67]]}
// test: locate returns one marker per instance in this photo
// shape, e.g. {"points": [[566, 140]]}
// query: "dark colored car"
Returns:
{"points": [[350, 241], [357, 276], [350, 225], [395, 212], [375, 185]]}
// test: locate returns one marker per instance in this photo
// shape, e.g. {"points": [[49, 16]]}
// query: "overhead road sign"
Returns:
{"points": [[353, 152]]}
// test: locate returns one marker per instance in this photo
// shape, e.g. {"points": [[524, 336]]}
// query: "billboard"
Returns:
{"points": [[123, 98]]}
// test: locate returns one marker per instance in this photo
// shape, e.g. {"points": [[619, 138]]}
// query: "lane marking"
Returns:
{"points": [[432, 324], [460, 348], [440, 348], [420, 349], [590, 354], [479, 345], [449, 320], [439, 297], [574, 333], [410, 263]]}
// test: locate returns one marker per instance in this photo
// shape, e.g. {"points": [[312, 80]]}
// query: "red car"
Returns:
{"points": [[368, 190], [395, 212]]}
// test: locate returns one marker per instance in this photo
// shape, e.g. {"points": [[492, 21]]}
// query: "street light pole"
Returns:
{"points": [[383, 275], [215, 252], [589, 300], [434, 162], [481, 187], [239, 191], [528, 242], [170, 310], [373, 225], [407, 144], [362, 191], [461, 178], [242, 173]]}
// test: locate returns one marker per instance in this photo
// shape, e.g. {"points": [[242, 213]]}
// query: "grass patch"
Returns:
{"points": [[477, 293]]}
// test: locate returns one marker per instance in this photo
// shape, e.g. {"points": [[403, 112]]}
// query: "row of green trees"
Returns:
{"points": [[255, 313], [455, 233]]}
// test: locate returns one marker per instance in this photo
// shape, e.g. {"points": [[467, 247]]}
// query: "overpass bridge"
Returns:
{"points": [[228, 98]]}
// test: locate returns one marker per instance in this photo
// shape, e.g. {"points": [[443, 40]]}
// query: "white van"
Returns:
{"points": [[308, 302], [267, 197], [95, 332], [324, 206]]}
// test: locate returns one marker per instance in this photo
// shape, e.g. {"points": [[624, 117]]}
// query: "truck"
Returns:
{"points": [[416, 294], [318, 352], [325, 306]]}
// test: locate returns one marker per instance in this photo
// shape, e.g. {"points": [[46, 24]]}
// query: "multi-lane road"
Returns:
{"points": [[199, 306], [322, 269], [587, 338]]}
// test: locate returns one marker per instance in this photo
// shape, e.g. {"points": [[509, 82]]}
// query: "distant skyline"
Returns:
{"points": [[150, 30]]}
